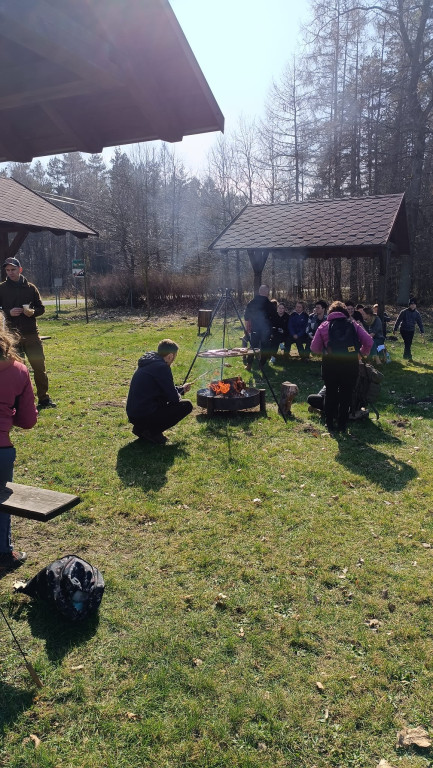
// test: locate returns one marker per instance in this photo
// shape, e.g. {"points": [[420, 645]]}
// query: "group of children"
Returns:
{"points": [[298, 327]]}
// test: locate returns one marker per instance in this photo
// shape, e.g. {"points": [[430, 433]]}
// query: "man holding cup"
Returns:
{"points": [[21, 304]]}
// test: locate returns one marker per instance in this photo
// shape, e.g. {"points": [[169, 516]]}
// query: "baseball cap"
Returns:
{"points": [[13, 262]]}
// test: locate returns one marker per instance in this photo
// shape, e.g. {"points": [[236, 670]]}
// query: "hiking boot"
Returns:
{"points": [[10, 560], [46, 403], [157, 438]]}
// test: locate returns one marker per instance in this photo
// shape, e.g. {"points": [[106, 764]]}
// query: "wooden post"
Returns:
{"points": [[4, 246], [288, 394], [383, 279]]}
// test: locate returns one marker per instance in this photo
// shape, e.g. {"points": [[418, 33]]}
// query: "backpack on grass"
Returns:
{"points": [[71, 584], [343, 339]]}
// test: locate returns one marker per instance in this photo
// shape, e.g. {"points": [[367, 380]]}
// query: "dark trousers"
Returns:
{"points": [[164, 418], [340, 377], [32, 347], [407, 337]]}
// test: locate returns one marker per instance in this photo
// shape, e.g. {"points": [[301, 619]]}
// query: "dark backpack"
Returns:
{"points": [[74, 587], [367, 389], [343, 339]]}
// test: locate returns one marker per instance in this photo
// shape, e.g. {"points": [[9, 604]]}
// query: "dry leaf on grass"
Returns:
{"points": [[132, 716], [79, 666], [384, 764], [372, 623], [320, 687], [241, 632], [417, 737], [35, 739], [197, 662]]}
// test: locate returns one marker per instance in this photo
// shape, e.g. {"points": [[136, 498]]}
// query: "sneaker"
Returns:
{"points": [[46, 403], [9, 560], [273, 360]]}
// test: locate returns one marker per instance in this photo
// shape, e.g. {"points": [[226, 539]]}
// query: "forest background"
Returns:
{"points": [[352, 115]]}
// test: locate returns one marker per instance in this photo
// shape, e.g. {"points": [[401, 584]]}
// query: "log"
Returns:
{"points": [[288, 394]]}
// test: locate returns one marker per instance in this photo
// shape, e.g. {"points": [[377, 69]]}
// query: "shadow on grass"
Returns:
{"points": [[138, 457], [13, 701], [384, 470], [60, 635]]}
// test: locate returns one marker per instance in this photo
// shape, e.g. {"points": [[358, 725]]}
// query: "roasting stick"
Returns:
{"points": [[206, 373]]}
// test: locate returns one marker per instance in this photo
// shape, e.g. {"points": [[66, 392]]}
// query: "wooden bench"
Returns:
{"points": [[35, 503]]}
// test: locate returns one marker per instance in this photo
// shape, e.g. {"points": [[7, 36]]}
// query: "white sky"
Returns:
{"points": [[240, 46]]}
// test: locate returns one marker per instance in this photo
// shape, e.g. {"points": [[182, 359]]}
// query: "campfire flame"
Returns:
{"points": [[220, 388], [232, 387]]}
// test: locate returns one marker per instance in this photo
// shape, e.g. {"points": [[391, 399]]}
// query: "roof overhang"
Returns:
{"points": [[23, 211], [81, 75]]}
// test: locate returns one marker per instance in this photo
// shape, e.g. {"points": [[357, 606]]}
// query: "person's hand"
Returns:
{"points": [[28, 312], [186, 387], [15, 311]]}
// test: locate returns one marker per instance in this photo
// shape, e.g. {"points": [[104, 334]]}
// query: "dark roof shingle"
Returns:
{"points": [[344, 223]]}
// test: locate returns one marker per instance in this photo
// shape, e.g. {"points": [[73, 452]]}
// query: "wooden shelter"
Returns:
{"points": [[23, 211], [81, 75], [373, 227]]}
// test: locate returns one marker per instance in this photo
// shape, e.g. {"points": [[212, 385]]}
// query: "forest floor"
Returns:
{"points": [[269, 589]]}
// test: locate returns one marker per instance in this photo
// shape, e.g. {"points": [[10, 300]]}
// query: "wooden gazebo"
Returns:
{"points": [[81, 75], [374, 227], [23, 211]]}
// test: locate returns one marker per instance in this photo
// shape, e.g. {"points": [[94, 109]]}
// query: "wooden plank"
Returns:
{"points": [[35, 503]]}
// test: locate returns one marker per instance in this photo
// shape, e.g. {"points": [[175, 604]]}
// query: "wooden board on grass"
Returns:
{"points": [[35, 503]]}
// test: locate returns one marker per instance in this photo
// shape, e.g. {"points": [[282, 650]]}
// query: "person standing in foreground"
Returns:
{"points": [[21, 304], [340, 340], [408, 319], [154, 403], [17, 408]]}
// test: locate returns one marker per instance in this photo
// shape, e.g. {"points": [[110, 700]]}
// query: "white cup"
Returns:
{"points": [[26, 306]]}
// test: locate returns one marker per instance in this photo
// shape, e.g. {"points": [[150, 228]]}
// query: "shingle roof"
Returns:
{"points": [[23, 209], [80, 75], [364, 223]]}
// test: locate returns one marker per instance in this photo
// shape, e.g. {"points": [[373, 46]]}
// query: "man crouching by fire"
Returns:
{"points": [[154, 403]]}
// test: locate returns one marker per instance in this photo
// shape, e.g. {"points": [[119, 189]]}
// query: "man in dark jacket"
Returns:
{"points": [[260, 319], [154, 404], [21, 304], [407, 321]]}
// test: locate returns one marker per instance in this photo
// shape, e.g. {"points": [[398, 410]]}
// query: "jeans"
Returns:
{"points": [[7, 458]]}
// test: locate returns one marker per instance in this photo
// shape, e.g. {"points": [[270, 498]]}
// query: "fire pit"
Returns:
{"points": [[230, 395]]}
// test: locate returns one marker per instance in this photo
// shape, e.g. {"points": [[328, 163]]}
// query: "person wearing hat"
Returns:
{"points": [[21, 304], [407, 320]]}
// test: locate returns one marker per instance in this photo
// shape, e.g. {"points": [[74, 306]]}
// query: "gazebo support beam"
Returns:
{"points": [[258, 258], [383, 280], [10, 249]]}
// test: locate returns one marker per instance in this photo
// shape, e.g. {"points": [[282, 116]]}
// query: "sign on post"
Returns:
{"points": [[78, 268]]}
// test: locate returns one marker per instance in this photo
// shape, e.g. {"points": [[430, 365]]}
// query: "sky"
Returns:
{"points": [[240, 46]]}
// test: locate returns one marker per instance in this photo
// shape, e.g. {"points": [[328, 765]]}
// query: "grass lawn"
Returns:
{"points": [[245, 562]]}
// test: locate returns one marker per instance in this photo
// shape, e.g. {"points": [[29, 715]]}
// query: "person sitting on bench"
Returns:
{"points": [[17, 409], [154, 404]]}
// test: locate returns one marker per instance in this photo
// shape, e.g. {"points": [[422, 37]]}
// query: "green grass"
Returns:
{"points": [[171, 674]]}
